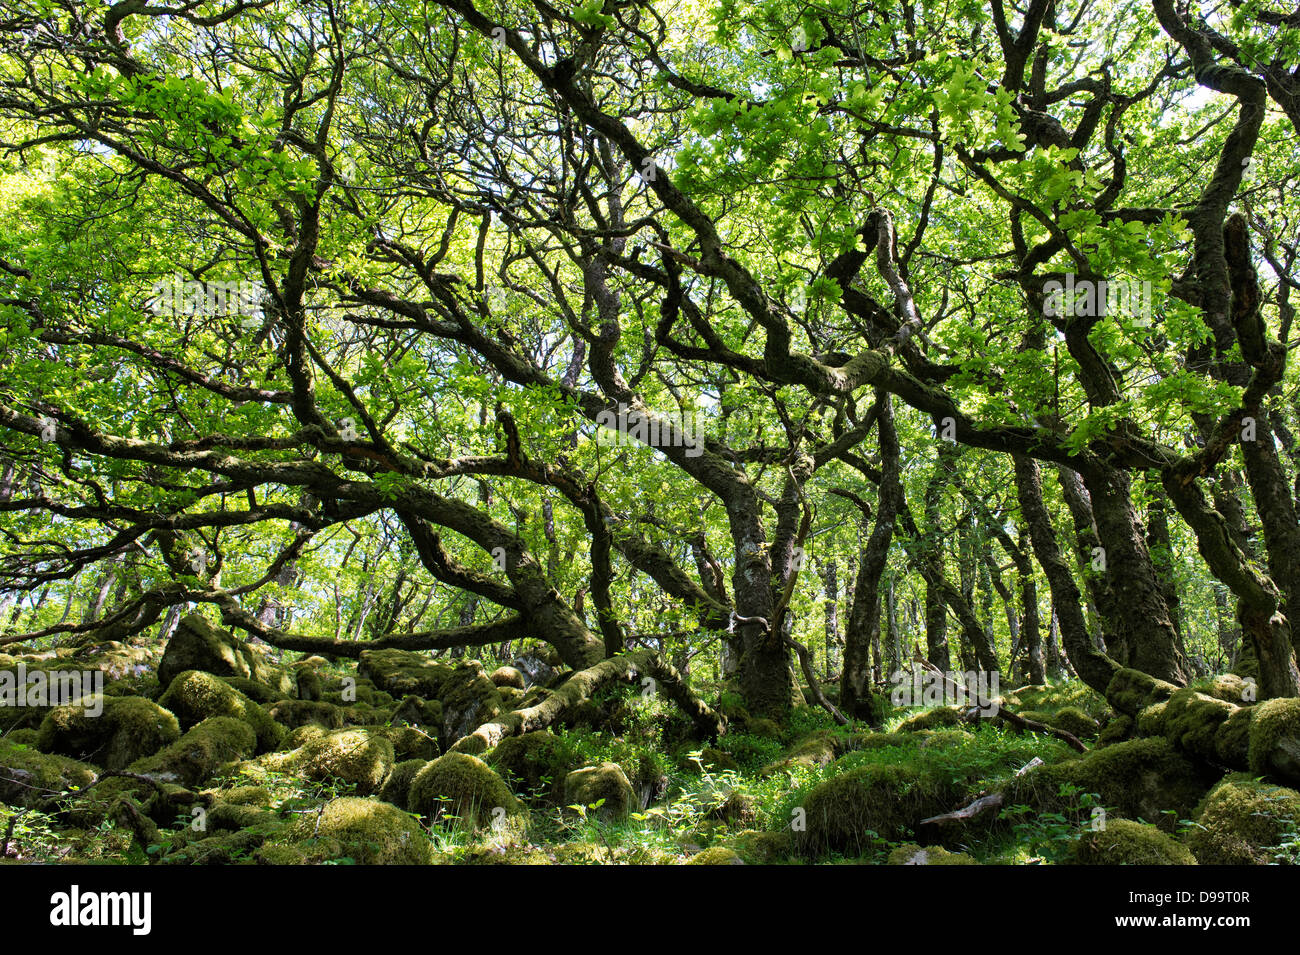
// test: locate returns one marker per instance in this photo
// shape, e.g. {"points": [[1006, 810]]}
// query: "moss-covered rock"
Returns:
{"points": [[815, 751], [368, 831], [408, 742], [508, 676], [29, 777], [1117, 730], [1275, 739], [1075, 721], [1124, 842], [295, 713], [762, 848], [463, 788], [1151, 719], [401, 672], [416, 711], [763, 727], [224, 848], [1141, 778], [606, 784], [853, 811], [534, 762], [398, 784], [1192, 721], [195, 696], [469, 699], [1241, 819], [358, 756], [204, 749], [127, 729], [739, 810], [198, 645], [255, 690], [1130, 691], [911, 854], [1232, 741], [311, 685], [936, 718], [718, 855]]}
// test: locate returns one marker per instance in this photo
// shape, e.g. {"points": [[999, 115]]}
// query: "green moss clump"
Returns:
{"points": [[1275, 739], [29, 777], [764, 728], [129, 728], [198, 754], [1117, 730], [815, 751], [460, 786], [1075, 721], [415, 711], [23, 737], [1241, 819], [256, 691], [195, 696], [398, 784], [1130, 691], [311, 686], [368, 831], [936, 718], [535, 762], [401, 672], [718, 855], [911, 854], [855, 810], [295, 713], [1192, 721], [606, 784], [360, 757], [1151, 719], [1140, 777], [508, 676], [1231, 688], [1232, 741], [198, 645], [762, 848], [1124, 842], [739, 811]]}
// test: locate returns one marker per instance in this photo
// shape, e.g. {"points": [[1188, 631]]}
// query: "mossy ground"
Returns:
{"points": [[343, 765]]}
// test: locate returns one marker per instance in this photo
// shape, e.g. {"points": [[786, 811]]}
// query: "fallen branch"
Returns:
{"points": [[1000, 711]]}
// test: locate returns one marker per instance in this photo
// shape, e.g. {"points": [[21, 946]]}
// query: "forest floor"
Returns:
{"points": [[220, 752]]}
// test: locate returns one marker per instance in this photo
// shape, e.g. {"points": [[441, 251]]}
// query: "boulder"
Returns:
{"points": [[460, 788], [129, 728], [195, 696], [402, 672], [357, 756], [1124, 842], [366, 831], [1241, 820], [198, 645], [605, 784]]}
